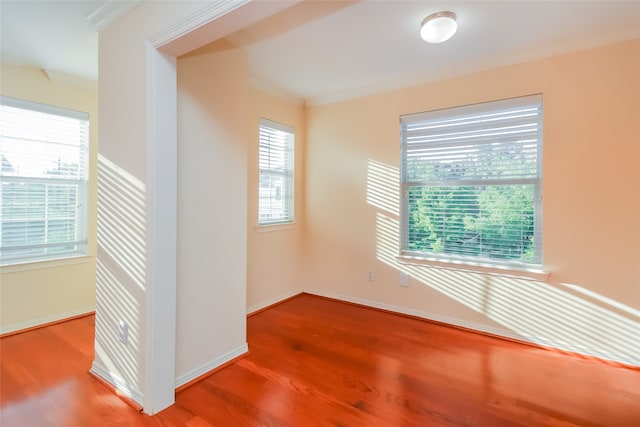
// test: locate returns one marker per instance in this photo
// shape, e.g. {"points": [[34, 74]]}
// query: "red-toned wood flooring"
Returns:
{"points": [[318, 362]]}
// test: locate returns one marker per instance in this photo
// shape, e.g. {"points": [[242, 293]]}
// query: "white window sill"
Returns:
{"points": [[281, 226], [42, 264], [525, 273]]}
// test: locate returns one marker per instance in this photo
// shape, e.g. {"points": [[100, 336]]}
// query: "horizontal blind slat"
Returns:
{"points": [[472, 183], [275, 164], [44, 152]]}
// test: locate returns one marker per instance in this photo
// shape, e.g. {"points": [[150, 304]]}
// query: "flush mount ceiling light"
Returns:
{"points": [[438, 27]]}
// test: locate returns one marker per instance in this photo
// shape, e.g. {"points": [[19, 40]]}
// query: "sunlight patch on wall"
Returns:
{"points": [[383, 187], [120, 277], [121, 219], [567, 317], [388, 249], [114, 303]]}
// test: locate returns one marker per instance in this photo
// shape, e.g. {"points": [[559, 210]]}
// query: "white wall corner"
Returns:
{"points": [[159, 353], [275, 300]]}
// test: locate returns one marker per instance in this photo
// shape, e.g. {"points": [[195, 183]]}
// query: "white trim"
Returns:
{"points": [[276, 226], [500, 332], [418, 313], [161, 96], [274, 300], [117, 382], [207, 14], [499, 104], [276, 125], [210, 366], [109, 11], [41, 321], [476, 267], [43, 108], [160, 334], [41, 264]]}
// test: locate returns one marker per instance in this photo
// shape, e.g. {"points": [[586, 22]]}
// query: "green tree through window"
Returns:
{"points": [[471, 183]]}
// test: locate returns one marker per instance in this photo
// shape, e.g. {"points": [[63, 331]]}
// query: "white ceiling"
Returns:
{"points": [[53, 36], [321, 51]]}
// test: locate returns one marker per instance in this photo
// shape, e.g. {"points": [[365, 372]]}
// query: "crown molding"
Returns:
{"points": [[209, 13], [109, 11]]}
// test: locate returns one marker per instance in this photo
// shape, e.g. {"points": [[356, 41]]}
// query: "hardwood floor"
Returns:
{"points": [[318, 362]]}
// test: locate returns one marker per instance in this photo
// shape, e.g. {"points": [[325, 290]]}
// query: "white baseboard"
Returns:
{"points": [[275, 300], [117, 382], [421, 314], [500, 332], [211, 365], [46, 320]]}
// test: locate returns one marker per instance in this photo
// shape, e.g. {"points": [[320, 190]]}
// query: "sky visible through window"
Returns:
{"points": [[52, 141]]}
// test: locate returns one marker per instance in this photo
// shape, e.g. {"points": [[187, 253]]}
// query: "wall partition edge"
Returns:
{"points": [[160, 342]]}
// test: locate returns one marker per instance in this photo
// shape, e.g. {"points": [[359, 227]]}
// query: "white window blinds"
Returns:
{"points": [[275, 198], [43, 181], [471, 183]]}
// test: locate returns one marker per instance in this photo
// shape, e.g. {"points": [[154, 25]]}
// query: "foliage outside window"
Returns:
{"points": [[275, 193], [471, 184], [43, 181]]}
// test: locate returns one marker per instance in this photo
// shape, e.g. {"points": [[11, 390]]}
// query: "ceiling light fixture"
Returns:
{"points": [[438, 27]]}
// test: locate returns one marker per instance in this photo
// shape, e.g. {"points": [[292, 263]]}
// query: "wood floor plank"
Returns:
{"points": [[318, 362]]}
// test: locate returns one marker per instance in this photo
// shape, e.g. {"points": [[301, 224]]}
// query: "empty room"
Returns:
{"points": [[331, 213]]}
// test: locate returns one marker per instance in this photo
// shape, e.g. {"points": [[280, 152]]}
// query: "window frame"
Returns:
{"points": [[287, 172], [407, 255], [78, 185]]}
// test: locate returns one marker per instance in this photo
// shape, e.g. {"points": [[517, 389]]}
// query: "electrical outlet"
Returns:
{"points": [[123, 332], [404, 280], [371, 276]]}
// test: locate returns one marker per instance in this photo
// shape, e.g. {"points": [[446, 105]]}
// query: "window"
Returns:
{"points": [[43, 181], [471, 184], [275, 198]]}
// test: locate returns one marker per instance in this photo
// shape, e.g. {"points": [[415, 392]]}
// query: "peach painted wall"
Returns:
{"points": [[213, 99], [274, 253], [42, 292], [590, 301]]}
